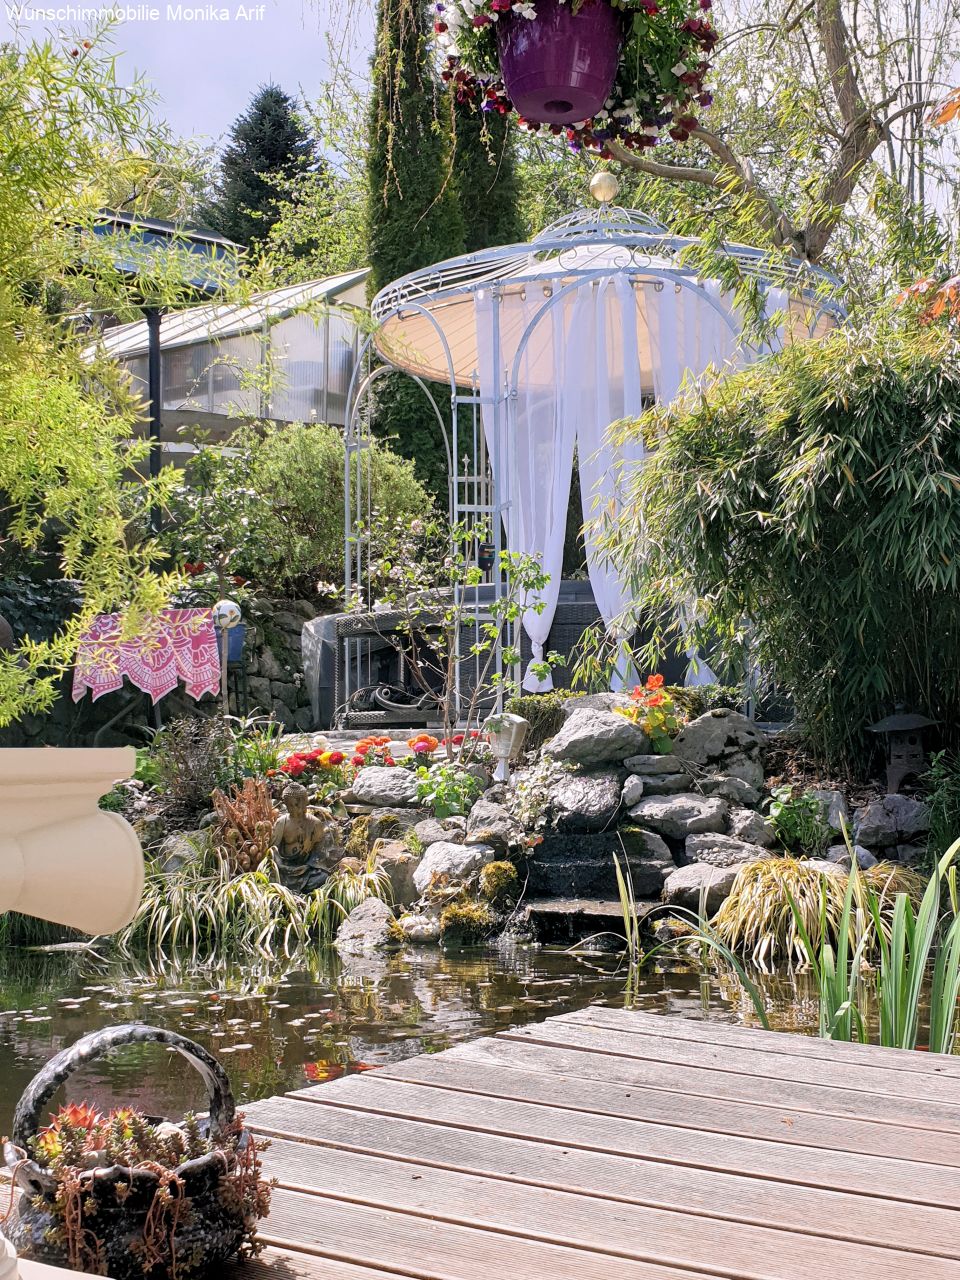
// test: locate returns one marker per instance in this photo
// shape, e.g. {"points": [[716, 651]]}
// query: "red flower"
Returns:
{"points": [[656, 700], [655, 682], [439, 28], [336, 757], [358, 760], [481, 20]]}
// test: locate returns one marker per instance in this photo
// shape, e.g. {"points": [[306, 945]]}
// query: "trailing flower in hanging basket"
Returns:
{"points": [[129, 1195], [633, 71]]}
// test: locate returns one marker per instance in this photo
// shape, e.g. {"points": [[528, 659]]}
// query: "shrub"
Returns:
{"points": [[191, 759], [446, 789], [815, 497], [798, 820], [943, 780], [543, 711], [298, 472], [272, 510], [203, 909]]}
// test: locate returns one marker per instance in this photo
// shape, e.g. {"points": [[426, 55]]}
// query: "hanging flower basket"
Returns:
{"points": [[633, 71], [560, 67], [128, 1195]]}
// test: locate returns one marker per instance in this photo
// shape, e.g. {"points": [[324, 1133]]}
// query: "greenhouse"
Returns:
{"points": [[287, 355]]}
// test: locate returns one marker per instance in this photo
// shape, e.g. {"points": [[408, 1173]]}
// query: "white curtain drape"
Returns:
{"points": [[591, 359], [531, 442]]}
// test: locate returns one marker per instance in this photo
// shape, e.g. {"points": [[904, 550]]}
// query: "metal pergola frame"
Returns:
{"points": [[583, 249]]}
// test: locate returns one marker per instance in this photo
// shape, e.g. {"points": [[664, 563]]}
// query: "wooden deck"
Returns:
{"points": [[608, 1143]]}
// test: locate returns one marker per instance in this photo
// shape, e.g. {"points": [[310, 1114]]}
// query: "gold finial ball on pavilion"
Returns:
{"points": [[604, 187]]}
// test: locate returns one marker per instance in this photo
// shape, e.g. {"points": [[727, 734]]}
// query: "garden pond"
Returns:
{"points": [[279, 1025]]}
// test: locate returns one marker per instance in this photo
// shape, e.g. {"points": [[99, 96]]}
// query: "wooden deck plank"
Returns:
{"points": [[790, 1044], [606, 1142], [443, 1215], [741, 1060], [448, 1112], [430, 1249], [698, 1082], [273, 1264], [584, 1186], [656, 1106]]}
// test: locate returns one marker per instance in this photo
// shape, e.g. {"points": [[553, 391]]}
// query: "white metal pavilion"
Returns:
{"points": [[542, 346]]}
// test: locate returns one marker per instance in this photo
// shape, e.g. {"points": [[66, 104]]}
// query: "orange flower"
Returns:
{"points": [[655, 682], [656, 700]]}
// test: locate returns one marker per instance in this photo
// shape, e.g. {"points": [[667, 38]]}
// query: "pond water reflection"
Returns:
{"points": [[278, 1025]]}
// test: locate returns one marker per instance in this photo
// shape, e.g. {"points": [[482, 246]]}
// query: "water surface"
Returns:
{"points": [[280, 1025]]}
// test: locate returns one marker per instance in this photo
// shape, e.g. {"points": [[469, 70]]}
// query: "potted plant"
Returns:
{"points": [[129, 1195], [632, 71]]}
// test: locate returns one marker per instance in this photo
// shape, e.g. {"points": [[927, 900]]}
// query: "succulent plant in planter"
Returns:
{"points": [[128, 1195]]}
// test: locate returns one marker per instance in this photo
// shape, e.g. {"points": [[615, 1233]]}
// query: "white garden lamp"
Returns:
{"points": [[506, 733], [62, 858], [226, 616]]}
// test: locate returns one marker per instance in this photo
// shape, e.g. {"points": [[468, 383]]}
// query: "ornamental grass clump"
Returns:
{"points": [[203, 909], [774, 899]]}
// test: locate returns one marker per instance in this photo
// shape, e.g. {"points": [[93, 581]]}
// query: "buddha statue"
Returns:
{"points": [[306, 842]]}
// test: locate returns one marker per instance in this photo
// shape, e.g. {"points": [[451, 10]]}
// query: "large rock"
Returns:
{"points": [[369, 927], [723, 851], [834, 807], [647, 848], [596, 737], [491, 824], [747, 824], [722, 742], [681, 815], [398, 864], [182, 848], [449, 864], [650, 763], [891, 821], [683, 887], [432, 830], [585, 802], [632, 791], [421, 927], [381, 785], [840, 854], [388, 824], [594, 702], [731, 788]]}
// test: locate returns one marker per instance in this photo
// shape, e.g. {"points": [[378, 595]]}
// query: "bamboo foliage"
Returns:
{"points": [[809, 504]]}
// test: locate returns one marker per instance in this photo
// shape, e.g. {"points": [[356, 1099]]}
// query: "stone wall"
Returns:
{"points": [[275, 684]]}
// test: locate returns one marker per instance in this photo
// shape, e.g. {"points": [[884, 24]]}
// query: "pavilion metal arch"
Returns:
{"points": [[357, 440]]}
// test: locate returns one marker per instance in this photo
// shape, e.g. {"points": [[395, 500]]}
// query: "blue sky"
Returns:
{"points": [[205, 69]]}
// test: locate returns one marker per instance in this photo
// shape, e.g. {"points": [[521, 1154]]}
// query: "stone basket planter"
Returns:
{"points": [[118, 1209], [61, 857]]}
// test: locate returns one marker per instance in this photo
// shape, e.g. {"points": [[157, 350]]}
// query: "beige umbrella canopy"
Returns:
{"points": [[428, 322]]}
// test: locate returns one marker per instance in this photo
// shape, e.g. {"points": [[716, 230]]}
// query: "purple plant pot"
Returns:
{"points": [[560, 67]]}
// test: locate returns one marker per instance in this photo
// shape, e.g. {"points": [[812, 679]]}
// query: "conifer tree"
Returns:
{"points": [[269, 147], [413, 217], [486, 176]]}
